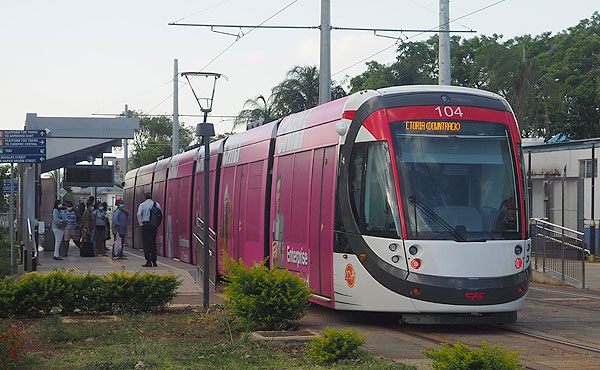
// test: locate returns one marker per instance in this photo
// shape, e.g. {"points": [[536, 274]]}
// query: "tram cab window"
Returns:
{"points": [[458, 186], [373, 195]]}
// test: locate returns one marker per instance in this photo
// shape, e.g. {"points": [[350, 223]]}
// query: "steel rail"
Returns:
{"points": [[549, 339]]}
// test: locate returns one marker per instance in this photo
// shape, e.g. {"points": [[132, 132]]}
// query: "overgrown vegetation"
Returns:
{"points": [[263, 298], [334, 345], [460, 357], [65, 293]]}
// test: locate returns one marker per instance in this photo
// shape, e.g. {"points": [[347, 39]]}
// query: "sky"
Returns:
{"points": [[77, 58]]}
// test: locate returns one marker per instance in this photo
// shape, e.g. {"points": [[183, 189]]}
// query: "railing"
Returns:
{"points": [[558, 251]]}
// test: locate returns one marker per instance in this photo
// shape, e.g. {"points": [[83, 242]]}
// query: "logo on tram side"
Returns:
{"points": [[474, 296], [350, 275]]}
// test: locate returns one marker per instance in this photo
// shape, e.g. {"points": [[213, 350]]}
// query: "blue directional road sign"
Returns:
{"points": [[22, 146], [6, 186]]}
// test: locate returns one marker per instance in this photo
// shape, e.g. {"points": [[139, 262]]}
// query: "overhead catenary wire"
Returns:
{"points": [[225, 50], [411, 37], [203, 10], [252, 29]]}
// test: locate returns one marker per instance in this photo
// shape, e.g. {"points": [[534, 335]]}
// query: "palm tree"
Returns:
{"points": [[255, 109], [300, 91]]}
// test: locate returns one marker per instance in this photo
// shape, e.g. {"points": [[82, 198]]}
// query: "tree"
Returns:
{"points": [[255, 109], [573, 67], [5, 174], [153, 138], [416, 64], [300, 91]]}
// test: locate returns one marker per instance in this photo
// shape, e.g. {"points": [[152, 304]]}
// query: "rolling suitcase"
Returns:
{"points": [[87, 248]]}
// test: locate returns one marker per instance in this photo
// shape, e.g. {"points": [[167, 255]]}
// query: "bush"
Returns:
{"points": [[263, 298], [462, 357], [12, 349], [65, 293], [334, 345]]}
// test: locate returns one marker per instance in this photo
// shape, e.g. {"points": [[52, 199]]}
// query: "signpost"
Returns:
{"points": [[19, 146], [22, 146]]}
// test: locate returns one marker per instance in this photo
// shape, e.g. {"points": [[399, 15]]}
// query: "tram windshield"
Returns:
{"points": [[457, 180]]}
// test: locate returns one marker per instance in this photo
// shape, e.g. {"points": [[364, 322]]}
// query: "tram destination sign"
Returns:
{"points": [[22, 146]]}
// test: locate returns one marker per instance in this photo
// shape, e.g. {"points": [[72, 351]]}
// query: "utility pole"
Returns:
{"points": [[444, 43], [125, 146], [175, 140], [593, 250], [325, 59]]}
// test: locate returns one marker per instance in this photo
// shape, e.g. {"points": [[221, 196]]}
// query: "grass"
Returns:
{"points": [[167, 340]]}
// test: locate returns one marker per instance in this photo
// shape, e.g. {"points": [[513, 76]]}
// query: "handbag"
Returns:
{"points": [[118, 245]]}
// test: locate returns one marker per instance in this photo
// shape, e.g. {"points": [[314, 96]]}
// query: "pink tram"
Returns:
{"points": [[406, 199]]}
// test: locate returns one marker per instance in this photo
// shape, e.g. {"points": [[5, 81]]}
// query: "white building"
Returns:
{"points": [[561, 173]]}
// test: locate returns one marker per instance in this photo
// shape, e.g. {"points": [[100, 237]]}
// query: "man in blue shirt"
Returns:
{"points": [[119, 226]]}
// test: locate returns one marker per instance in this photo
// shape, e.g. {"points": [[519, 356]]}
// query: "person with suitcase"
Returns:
{"points": [[119, 228]]}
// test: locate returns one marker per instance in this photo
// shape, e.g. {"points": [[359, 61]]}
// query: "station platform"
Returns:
{"points": [[189, 292]]}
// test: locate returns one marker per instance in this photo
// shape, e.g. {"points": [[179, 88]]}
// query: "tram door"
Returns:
{"points": [[239, 199], [321, 221]]}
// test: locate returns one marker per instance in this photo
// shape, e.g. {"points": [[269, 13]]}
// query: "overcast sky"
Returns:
{"points": [[78, 58]]}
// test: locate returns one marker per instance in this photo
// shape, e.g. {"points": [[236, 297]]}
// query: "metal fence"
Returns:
{"points": [[558, 251]]}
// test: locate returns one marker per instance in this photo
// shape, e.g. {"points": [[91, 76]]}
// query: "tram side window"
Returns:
{"points": [[373, 195]]}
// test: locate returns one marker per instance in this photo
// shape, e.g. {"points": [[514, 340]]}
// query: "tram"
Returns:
{"points": [[405, 199]]}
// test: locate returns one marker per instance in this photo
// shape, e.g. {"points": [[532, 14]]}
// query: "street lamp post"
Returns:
{"points": [[206, 130]]}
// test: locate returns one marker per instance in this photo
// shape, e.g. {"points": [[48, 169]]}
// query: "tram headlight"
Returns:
{"points": [[518, 249], [413, 250], [395, 259], [393, 247]]}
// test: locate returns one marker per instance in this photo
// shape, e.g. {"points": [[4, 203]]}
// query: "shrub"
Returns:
{"points": [[462, 357], [263, 298], [334, 345], [12, 349], [64, 293]]}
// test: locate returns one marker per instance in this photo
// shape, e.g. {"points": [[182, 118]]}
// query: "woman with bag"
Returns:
{"points": [[59, 223], [120, 222], [99, 216]]}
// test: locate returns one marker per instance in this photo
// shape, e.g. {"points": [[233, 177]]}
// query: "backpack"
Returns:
{"points": [[156, 216]]}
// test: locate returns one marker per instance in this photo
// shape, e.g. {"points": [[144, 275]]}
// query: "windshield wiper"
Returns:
{"points": [[435, 217]]}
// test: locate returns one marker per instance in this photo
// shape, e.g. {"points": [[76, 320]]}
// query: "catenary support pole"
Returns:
{"points": [[126, 146], [593, 250], [206, 130], [444, 43], [325, 59], [175, 139]]}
